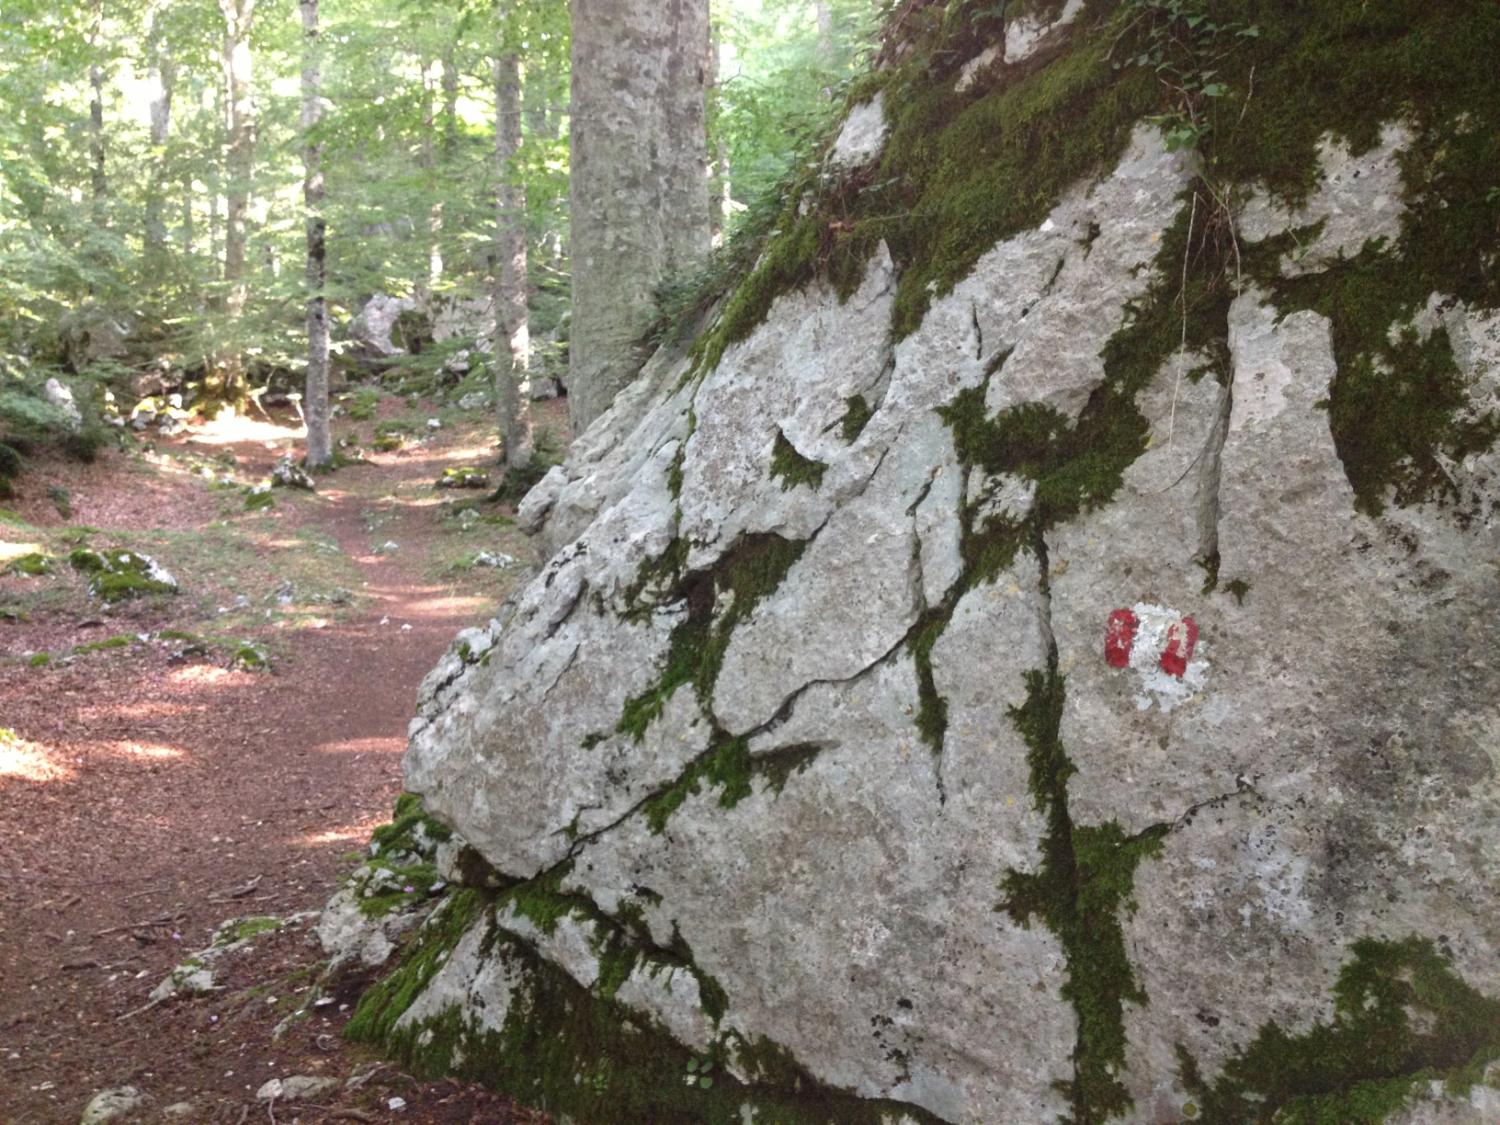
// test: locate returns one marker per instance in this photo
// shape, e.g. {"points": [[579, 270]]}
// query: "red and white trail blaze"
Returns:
{"points": [[1161, 646]]}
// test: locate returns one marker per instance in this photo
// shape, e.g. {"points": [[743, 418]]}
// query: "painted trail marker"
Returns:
{"points": [[1161, 646]]}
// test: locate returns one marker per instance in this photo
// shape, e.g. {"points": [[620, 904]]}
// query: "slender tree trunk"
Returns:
{"points": [[238, 17], [189, 236], [639, 166], [160, 78], [315, 398], [827, 48], [512, 344], [215, 172], [98, 183], [450, 101], [430, 80], [718, 168]]}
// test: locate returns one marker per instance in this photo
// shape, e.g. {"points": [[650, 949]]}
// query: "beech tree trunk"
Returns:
{"points": [[159, 80], [430, 80], [98, 183], [450, 100], [238, 17], [315, 397], [512, 343], [638, 182], [825, 31]]}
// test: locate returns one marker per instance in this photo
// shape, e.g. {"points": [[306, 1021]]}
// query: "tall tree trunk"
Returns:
{"points": [[238, 17], [98, 183], [512, 344], [215, 171], [718, 150], [160, 77], [639, 166], [826, 47], [430, 79], [189, 236], [450, 100], [315, 398]]}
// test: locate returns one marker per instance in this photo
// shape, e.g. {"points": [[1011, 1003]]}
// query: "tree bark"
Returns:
{"points": [[450, 100], [160, 76], [512, 343], [189, 234], [315, 398], [238, 17], [638, 182], [826, 46], [430, 80], [98, 183]]}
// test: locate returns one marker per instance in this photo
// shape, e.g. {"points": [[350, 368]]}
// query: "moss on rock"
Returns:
{"points": [[749, 572], [576, 1052], [30, 565], [118, 575], [1402, 1018]]}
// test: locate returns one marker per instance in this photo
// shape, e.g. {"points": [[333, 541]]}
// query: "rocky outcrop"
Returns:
{"points": [[1043, 676]]}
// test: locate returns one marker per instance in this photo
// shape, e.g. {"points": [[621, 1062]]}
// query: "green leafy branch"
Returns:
{"points": [[1184, 45]]}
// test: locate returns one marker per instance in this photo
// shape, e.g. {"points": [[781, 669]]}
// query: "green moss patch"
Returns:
{"points": [[387, 1000], [728, 767], [791, 468], [1083, 884], [30, 565], [464, 476], [570, 1051], [120, 640], [1402, 1018], [749, 572], [243, 929], [410, 832], [119, 575], [259, 499], [250, 657], [857, 415]]}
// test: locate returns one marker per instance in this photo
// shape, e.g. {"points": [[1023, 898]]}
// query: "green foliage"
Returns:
{"points": [[121, 640], [1184, 44], [363, 402]]}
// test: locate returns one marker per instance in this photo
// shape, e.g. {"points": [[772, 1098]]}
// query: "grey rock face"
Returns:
{"points": [[61, 396], [968, 786], [863, 135], [373, 327]]}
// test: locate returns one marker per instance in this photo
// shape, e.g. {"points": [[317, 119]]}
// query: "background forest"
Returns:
{"points": [[152, 205]]}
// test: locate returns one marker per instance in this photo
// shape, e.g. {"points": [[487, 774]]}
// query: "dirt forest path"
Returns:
{"points": [[150, 793]]}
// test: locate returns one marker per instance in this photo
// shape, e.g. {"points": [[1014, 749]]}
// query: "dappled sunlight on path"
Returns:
{"points": [[144, 783]]}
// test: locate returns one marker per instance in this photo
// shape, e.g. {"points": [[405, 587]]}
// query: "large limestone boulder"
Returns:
{"points": [[1038, 665]]}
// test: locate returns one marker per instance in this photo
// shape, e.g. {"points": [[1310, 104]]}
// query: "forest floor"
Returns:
{"points": [[152, 787]]}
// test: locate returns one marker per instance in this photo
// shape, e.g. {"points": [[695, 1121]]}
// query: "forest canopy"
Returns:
{"points": [[152, 213]]}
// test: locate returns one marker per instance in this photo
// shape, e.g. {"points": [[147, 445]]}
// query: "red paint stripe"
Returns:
{"points": [[1119, 638], [1181, 640]]}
